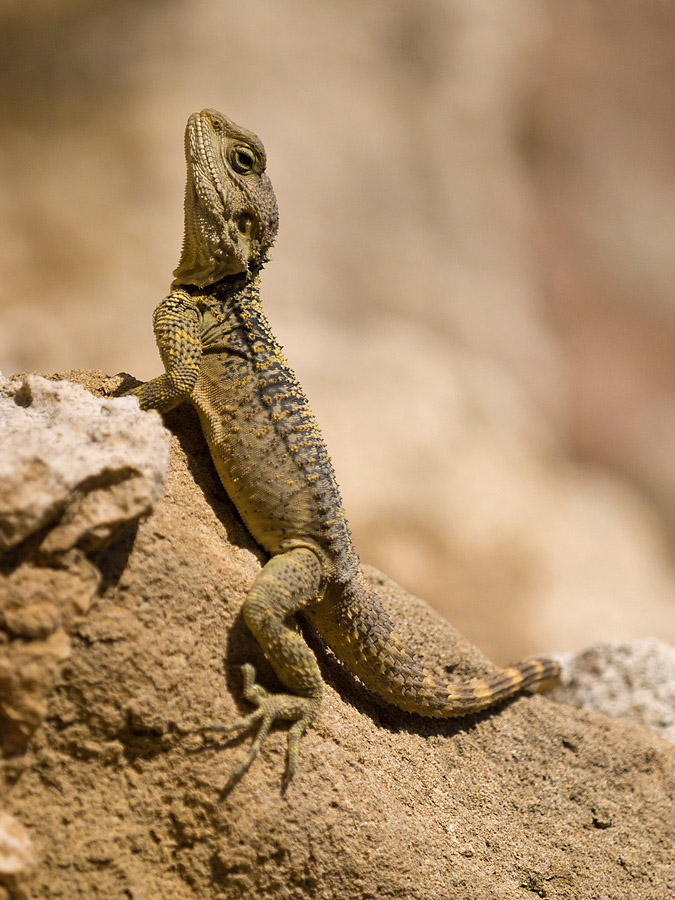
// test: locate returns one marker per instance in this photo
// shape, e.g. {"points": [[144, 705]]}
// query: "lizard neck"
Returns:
{"points": [[233, 290], [237, 296], [239, 291], [235, 305]]}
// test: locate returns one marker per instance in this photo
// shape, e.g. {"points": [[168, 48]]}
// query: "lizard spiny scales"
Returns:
{"points": [[219, 352]]}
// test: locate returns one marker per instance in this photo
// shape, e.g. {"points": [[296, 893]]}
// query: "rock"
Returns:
{"points": [[633, 681], [533, 799], [17, 859], [65, 455], [74, 471], [17, 856]]}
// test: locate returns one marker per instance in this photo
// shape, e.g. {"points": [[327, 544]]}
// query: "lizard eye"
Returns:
{"points": [[217, 124], [242, 159]]}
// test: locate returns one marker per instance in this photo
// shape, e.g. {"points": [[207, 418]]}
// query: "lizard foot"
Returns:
{"points": [[270, 708]]}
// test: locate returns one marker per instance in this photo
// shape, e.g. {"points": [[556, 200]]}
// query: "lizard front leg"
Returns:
{"points": [[176, 323], [287, 584]]}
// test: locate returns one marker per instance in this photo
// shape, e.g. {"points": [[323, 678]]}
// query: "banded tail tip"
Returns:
{"points": [[540, 674]]}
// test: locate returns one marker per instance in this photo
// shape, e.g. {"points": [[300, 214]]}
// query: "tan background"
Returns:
{"points": [[474, 274]]}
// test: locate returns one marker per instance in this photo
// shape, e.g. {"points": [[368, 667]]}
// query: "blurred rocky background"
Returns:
{"points": [[473, 278]]}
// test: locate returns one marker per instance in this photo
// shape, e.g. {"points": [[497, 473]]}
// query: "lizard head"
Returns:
{"points": [[230, 209]]}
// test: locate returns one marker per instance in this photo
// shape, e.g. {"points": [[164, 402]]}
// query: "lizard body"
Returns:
{"points": [[220, 353]]}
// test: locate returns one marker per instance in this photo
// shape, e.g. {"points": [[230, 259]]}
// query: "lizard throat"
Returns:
{"points": [[207, 157], [209, 252]]}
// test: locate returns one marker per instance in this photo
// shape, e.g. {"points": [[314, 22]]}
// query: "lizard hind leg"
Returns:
{"points": [[288, 583]]}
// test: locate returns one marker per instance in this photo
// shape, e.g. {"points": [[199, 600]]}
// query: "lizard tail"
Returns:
{"points": [[476, 694], [360, 633], [407, 685]]}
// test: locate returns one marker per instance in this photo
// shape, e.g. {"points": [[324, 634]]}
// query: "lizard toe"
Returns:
{"points": [[271, 708]]}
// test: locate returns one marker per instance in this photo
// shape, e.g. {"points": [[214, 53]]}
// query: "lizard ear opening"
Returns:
{"points": [[245, 223]]}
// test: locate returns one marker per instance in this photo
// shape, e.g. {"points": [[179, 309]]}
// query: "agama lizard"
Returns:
{"points": [[219, 352]]}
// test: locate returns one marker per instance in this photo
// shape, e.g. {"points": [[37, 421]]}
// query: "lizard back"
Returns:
{"points": [[263, 437]]}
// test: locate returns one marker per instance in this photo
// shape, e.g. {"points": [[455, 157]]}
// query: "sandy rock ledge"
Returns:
{"points": [[119, 630]]}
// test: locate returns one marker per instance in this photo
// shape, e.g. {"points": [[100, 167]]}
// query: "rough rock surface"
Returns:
{"points": [[634, 681], [17, 856], [74, 470], [535, 800], [62, 454]]}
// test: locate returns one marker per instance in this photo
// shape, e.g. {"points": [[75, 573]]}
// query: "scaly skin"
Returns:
{"points": [[219, 352]]}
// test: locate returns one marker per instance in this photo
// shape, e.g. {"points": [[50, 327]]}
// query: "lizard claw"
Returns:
{"points": [[271, 708]]}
